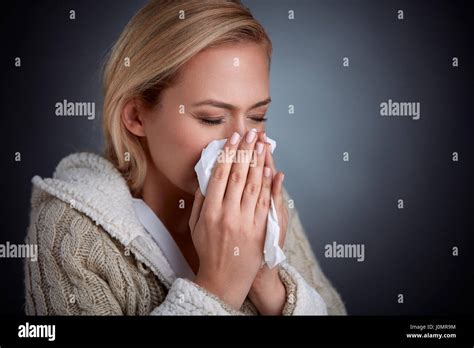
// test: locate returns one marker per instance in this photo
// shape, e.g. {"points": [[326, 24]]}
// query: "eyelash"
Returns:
{"points": [[217, 122]]}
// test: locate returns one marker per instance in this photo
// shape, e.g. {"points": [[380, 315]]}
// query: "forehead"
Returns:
{"points": [[234, 73]]}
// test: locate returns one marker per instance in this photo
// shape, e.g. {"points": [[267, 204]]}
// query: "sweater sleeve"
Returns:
{"points": [[305, 283], [187, 298], [81, 270]]}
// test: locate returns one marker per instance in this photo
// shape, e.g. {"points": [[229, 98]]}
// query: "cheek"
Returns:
{"points": [[189, 150], [175, 148], [190, 138]]}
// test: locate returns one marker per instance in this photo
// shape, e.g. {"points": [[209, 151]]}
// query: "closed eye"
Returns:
{"points": [[211, 122], [259, 119]]}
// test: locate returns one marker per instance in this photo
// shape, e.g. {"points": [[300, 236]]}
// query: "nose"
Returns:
{"points": [[240, 126]]}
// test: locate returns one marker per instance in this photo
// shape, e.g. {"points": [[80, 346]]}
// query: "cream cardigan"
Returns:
{"points": [[95, 258]]}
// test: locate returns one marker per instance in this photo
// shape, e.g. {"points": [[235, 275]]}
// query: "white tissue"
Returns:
{"points": [[272, 252]]}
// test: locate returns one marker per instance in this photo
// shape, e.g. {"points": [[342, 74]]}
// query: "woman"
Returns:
{"points": [[183, 73]]}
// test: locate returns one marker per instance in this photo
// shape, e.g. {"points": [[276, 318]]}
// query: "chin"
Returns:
{"points": [[193, 187], [188, 186]]}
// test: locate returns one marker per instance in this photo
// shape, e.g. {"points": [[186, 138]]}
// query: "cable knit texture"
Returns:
{"points": [[95, 258]]}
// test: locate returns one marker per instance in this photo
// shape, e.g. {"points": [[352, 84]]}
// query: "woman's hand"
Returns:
{"points": [[268, 293], [228, 226]]}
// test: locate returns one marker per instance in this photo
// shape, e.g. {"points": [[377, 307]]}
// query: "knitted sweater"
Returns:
{"points": [[95, 258]]}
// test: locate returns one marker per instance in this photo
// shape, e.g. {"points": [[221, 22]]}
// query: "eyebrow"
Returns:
{"points": [[222, 105]]}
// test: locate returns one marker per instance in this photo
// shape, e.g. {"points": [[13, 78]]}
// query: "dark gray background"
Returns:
{"points": [[336, 110]]}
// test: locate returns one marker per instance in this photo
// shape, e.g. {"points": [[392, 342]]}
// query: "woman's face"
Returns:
{"points": [[221, 90]]}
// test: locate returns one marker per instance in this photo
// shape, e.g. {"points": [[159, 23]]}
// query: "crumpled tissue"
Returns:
{"points": [[273, 255]]}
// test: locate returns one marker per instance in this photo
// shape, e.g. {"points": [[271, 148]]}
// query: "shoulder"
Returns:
{"points": [[56, 225], [295, 235], [301, 256], [78, 258]]}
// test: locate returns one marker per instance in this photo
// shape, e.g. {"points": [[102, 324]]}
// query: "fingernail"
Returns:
{"points": [[264, 137], [266, 172], [259, 148], [235, 138], [251, 135], [282, 177]]}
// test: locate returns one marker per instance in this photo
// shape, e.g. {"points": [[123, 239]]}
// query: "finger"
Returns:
{"points": [[196, 210], [263, 202], [254, 180], [218, 181], [239, 171], [277, 194], [269, 159]]}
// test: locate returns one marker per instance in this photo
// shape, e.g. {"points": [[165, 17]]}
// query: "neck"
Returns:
{"points": [[171, 204]]}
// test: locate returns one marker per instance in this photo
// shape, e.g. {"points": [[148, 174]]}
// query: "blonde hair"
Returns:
{"points": [[156, 42]]}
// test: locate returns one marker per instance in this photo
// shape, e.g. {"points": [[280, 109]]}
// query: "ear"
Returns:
{"points": [[132, 116]]}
